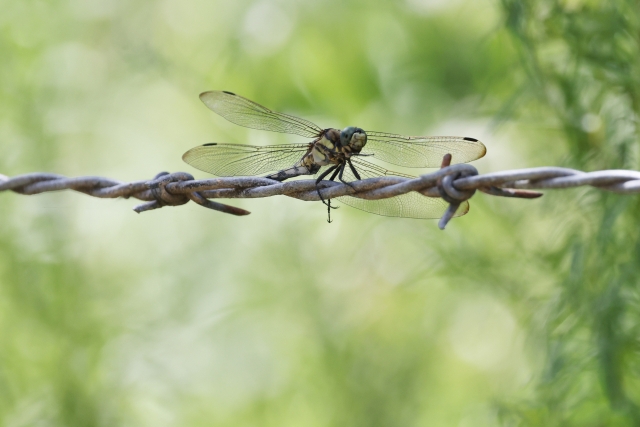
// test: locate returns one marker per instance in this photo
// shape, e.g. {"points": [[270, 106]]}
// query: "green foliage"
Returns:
{"points": [[582, 71]]}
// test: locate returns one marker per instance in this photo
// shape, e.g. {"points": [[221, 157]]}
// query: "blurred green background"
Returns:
{"points": [[521, 313]]}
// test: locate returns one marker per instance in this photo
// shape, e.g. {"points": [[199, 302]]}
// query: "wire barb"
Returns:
{"points": [[450, 194], [158, 188], [453, 183]]}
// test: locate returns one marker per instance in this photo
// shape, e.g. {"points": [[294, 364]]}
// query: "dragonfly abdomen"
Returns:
{"points": [[297, 170], [321, 153]]}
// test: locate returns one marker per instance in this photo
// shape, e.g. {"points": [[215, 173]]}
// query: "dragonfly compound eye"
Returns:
{"points": [[353, 137], [346, 134]]}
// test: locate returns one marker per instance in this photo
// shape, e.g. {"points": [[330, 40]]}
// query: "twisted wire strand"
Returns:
{"points": [[454, 184]]}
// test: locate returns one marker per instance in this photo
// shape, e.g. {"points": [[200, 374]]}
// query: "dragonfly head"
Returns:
{"points": [[353, 137]]}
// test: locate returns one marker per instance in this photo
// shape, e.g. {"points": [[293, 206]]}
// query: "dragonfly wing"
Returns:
{"points": [[244, 112], [409, 205], [422, 151], [239, 159]]}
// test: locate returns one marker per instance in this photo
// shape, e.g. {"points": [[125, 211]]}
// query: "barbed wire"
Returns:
{"points": [[455, 184]]}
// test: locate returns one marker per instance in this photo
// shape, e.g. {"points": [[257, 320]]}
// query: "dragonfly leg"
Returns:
{"points": [[334, 174], [353, 170], [329, 207], [340, 175], [325, 173]]}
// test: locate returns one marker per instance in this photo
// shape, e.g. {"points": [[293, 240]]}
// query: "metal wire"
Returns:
{"points": [[454, 184]]}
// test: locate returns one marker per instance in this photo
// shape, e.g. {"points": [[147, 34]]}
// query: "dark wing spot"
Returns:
{"points": [[230, 93], [466, 138], [209, 143]]}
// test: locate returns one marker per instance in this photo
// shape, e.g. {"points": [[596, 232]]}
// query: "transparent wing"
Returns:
{"points": [[244, 112], [409, 205], [422, 151], [238, 159]]}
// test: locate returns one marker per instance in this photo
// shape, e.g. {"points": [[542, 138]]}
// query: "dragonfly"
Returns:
{"points": [[331, 153]]}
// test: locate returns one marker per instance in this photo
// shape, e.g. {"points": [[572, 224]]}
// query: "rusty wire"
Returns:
{"points": [[455, 184]]}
